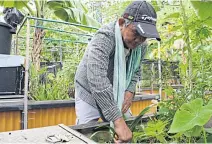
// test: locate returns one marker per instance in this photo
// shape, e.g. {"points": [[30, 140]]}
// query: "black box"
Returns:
{"points": [[11, 80]]}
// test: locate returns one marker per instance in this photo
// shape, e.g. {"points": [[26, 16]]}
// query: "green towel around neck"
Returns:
{"points": [[123, 71]]}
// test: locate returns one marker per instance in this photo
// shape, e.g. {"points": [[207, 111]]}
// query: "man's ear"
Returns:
{"points": [[121, 22]]}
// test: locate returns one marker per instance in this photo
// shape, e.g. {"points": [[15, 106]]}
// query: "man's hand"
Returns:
{"points": [[123, 132], [128, 97]]}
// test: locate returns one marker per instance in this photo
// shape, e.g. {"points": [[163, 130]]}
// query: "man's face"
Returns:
{"points": [[131, 37]]}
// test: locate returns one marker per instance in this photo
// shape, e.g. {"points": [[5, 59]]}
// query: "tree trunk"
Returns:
{"points": [[37, 47], [39, 34]]}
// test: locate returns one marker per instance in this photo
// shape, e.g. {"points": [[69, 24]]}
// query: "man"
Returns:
{"points": [[94, 80]]}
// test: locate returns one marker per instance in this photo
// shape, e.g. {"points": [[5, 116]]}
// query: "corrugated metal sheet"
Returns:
{"points": [[10, 120], [52, 116], [138, 106]]}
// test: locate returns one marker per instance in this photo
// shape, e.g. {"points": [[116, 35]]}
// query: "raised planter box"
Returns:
{"points": [[48, 113]]}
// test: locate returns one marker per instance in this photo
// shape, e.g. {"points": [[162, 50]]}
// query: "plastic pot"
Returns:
{"points": [[5, 38]]}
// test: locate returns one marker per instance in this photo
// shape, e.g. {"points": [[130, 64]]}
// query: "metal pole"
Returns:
{"points": [[61, 54], [26, 75], [77, 52], [16, 45], [63, 22], [58, 30], [50, 39], [22, 24], [140, 82], [159, 72], [17, 33], [152, 77]]}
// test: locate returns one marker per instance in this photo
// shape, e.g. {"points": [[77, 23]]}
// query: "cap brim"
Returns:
{"points": [[147, 30]]}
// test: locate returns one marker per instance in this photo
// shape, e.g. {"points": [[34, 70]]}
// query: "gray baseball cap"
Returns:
{"points": [[144, 17]]}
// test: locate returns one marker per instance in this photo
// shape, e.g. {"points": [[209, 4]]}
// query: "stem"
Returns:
{"points": [[38, 8], [204, 134], [42, 8], [187, 40]]}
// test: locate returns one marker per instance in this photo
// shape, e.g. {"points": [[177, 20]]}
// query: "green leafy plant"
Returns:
{"points": [[138, 119], [191, 114], [154, 131], [72, 11], [191, 118], [200, 8], [104, 136], [51, 87], [109, 135]]}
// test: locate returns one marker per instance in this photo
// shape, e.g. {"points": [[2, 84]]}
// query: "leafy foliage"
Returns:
{"points": [[153, 132], [202, 9], [47, 86], [14, 3], [112, 10], [190, 115], [102, 137], [138, 118], [107, 136], [72, 11]]}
